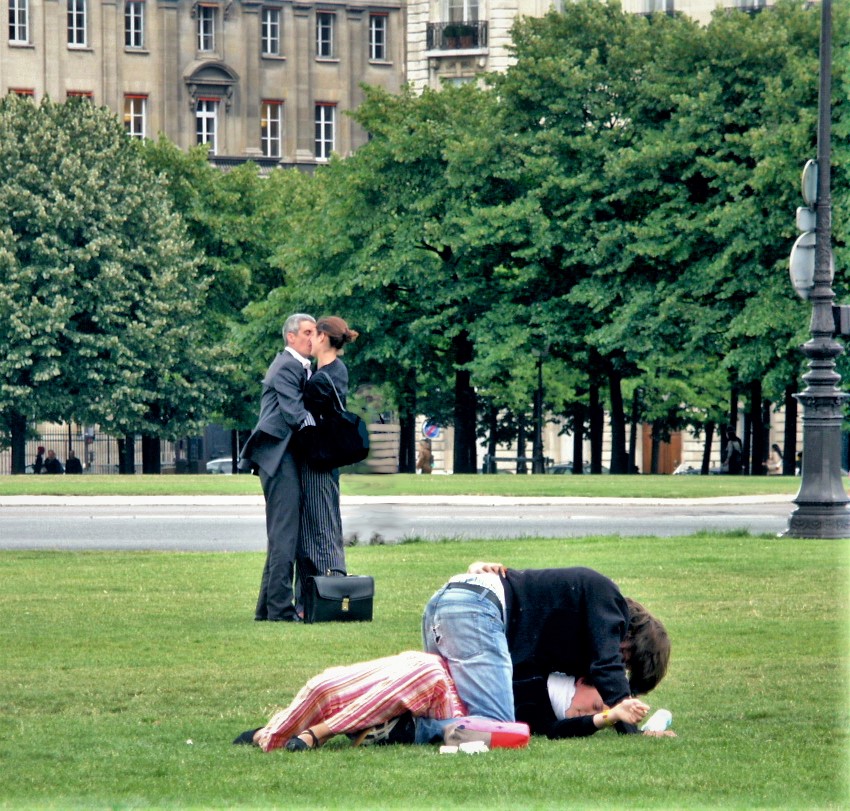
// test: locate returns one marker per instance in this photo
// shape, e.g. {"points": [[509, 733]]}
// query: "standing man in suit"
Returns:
{"points": [[269, 452]]}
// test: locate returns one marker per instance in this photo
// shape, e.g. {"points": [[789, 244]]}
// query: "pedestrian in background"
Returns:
{"points": [[774, 463], [425, 462], [733, 464], [72, 464], [52, 464]]}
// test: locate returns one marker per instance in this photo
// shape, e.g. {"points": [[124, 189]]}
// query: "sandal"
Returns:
{"points": [[247, 737], [297, 744]]}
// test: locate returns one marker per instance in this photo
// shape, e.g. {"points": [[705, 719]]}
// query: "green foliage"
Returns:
{"points": [[99, 292], [133, 698]]}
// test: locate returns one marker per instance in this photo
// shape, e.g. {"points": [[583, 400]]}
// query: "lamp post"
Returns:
{"points": [[822, 502], [538, 461]]}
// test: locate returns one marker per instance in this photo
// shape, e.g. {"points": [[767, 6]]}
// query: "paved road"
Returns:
{"points": [[237, 523]]}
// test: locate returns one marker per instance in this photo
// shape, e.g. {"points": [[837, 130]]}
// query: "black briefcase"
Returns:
{"points": [[336, 598]]}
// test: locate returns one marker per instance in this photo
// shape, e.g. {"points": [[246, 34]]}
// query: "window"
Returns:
{"points": [[653, 6], [77, 23], [462, 11], [80, 94], [206, 118], [134, 24], [325, 34], [19, 22], [325, 118], [378, 37], [206, 28], [271, 128], [270, 34], [23, 92], [135, 109]]}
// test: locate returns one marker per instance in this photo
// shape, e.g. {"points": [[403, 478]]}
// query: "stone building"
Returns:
{"points": [[453, 41], [266, 80]]}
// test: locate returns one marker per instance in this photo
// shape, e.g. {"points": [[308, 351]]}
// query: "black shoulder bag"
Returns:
{"points": [[341, 438]]}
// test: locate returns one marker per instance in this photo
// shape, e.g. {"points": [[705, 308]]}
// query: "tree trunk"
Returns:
{"points": [[537, 463], [578, 438], [127, 455], [765, 435], [465, 406], [18, 435], [656, 447], [234, 448], [407, 424], [492, 430], [757, 454], [619, 459], [597, 426], [633, 431], [733, 421], [406, 443], [789, 451], [706, 450], [151, 446], [521, 467]]}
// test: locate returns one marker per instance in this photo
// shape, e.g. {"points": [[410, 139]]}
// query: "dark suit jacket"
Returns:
{"points": [[281, 413]]}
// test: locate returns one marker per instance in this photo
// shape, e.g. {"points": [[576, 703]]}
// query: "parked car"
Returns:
{"points": [[224, 464]]}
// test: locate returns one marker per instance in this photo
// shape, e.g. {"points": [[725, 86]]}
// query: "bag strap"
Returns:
{"points": [[333, 386]]}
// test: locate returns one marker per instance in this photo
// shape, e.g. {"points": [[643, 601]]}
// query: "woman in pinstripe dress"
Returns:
{"points": [[320, 547]]}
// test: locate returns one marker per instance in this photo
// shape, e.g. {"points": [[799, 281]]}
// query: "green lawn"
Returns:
{"points": [[405, 484], [125, 676]]}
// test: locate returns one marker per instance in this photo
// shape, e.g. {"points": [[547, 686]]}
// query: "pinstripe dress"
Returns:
{"points": [[358, 696], [320, 546]]}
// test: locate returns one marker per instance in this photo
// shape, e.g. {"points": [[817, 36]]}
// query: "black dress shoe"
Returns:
{"points": [[292, 618], [260, 619], [247, 737]]}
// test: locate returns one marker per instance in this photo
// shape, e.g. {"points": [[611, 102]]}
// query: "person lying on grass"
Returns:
{"points": [[561, 706], [358, 698], [377, 702]]}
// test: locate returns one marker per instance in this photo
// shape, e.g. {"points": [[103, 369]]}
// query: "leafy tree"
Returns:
{"points": [[99, 292]]}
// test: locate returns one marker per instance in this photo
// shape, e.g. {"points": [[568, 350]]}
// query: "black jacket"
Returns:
{"points": [[532, 706], [568, 621]]}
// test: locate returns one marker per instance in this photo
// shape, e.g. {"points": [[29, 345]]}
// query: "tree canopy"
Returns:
{"points": [[99, 290]]}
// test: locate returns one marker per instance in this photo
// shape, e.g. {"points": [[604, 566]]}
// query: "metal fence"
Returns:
{"points": [[99, 453]]}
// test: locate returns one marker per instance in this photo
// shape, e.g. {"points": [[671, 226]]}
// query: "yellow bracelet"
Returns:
{"points": [[605, 721]]}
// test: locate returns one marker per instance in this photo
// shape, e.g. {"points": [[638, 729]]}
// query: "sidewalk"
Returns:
{"points": [[425, 501]]}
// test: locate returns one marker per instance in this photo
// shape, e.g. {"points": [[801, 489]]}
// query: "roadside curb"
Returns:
{"points": [[425, 501]]}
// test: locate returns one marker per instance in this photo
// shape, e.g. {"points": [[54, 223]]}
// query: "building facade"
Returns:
{"points": [[268, 80], [454, 41]]}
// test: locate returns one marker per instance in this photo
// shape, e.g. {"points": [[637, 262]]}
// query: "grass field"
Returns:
{"points": [[126, 675], [406, 484]]}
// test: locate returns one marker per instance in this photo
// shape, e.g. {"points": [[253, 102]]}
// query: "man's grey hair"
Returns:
{"points": [[293, 323]]}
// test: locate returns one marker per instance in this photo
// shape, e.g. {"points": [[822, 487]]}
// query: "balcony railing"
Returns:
{"points": [[456, 36]]}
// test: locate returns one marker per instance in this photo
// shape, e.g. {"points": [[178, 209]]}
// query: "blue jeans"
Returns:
{"points": [[468, 631]]}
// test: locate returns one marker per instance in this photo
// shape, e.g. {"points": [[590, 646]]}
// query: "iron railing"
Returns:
{"points": [[454, 36]]}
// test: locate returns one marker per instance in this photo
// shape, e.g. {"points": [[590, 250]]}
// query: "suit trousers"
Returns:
{"points": [[282, 492]]}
